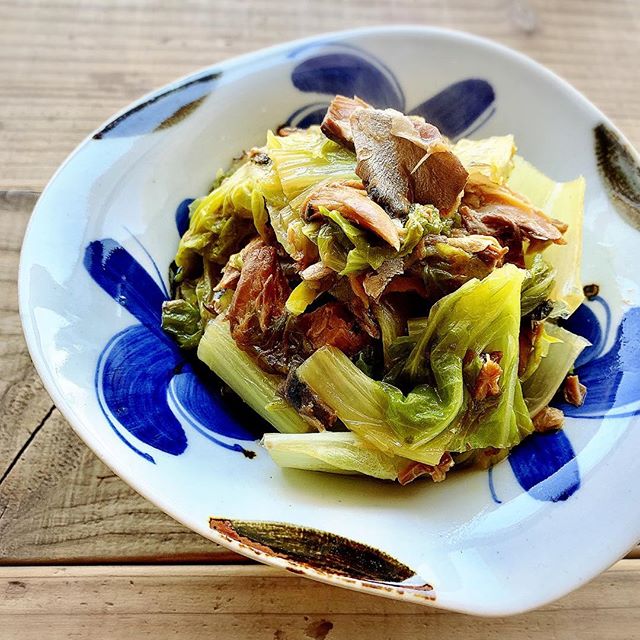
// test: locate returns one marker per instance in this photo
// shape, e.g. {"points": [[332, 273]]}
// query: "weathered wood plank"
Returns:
{"points": [[78, 511], [68, 66], [264, 603], [23, 401]]}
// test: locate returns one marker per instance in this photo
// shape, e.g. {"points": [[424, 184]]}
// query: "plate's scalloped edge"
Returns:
{"points": [[325, 556]]}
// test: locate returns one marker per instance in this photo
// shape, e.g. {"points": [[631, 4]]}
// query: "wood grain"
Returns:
{"points": [[261, 603], [67, 66], [58, 502]]}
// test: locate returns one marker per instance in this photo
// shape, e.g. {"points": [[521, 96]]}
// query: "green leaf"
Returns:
{"points": [[565, 202], [220, 222], [181, 320], [438, 414], [331, 247], [301, 297], [258, 389], [344, 453], [305, 158], [537, 284], [492, 157], [423, 219], [563, 349]]}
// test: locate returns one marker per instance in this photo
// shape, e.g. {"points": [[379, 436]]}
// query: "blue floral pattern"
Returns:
{"points": [[141, 368], [334, 68], [612, 377], [545, 464], [146, 388]]}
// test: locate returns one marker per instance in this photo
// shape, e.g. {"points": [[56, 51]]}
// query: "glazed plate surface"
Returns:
{"points": [[93, 276]]}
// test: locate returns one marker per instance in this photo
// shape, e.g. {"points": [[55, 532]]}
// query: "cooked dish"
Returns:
{"points": [[389, 301]]}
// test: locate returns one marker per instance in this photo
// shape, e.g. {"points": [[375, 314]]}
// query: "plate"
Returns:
{"points": [[93, 275]]}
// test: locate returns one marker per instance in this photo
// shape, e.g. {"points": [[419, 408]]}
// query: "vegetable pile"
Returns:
{"points": [[387, 300]]}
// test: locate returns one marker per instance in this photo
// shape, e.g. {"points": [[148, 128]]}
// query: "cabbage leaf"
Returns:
{"points": [[305, 158], [565, 202], [563, 349], [537, 284], [335, 452], [438, 414], [492, 157], [258, 389], [181, 320]]}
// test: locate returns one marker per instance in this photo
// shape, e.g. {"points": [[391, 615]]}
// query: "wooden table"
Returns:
{"points": [[83, 555]]}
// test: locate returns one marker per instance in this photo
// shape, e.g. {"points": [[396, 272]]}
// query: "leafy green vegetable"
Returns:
{"points": [[492, 157], [427, 400], [537, 284], [258, 389], [449, 266], [305, 158], [331, 247], [397, 353], [368, 361], [540, 350], [540, 388], [565, 202], [482, 316], [223, 220], [359, 401], [181, 320], [367, 255], [301, 297], [437, 415], [416, 325], [423, 219], [344, 453], [364, 255], [390, 327]]}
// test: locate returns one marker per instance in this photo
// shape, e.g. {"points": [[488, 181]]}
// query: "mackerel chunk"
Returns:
{"points": [[336, 124], [401, 159], [404, 160]]}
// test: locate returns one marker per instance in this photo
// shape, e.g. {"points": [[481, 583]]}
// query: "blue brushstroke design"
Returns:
{"points": [[544, 464], [198, 427], [149, 115], [163, 286], [350, 72], [134, 378], [182, 216], [336, 68], [103, 408], [135, 370], [456, 108], [308, 115], [478, 124], [119, 274], [492, 488], [546, 467], [612, 378], [204, 404]]}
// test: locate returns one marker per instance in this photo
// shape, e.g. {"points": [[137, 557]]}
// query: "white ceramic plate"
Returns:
{"points": [[561, 509]]}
